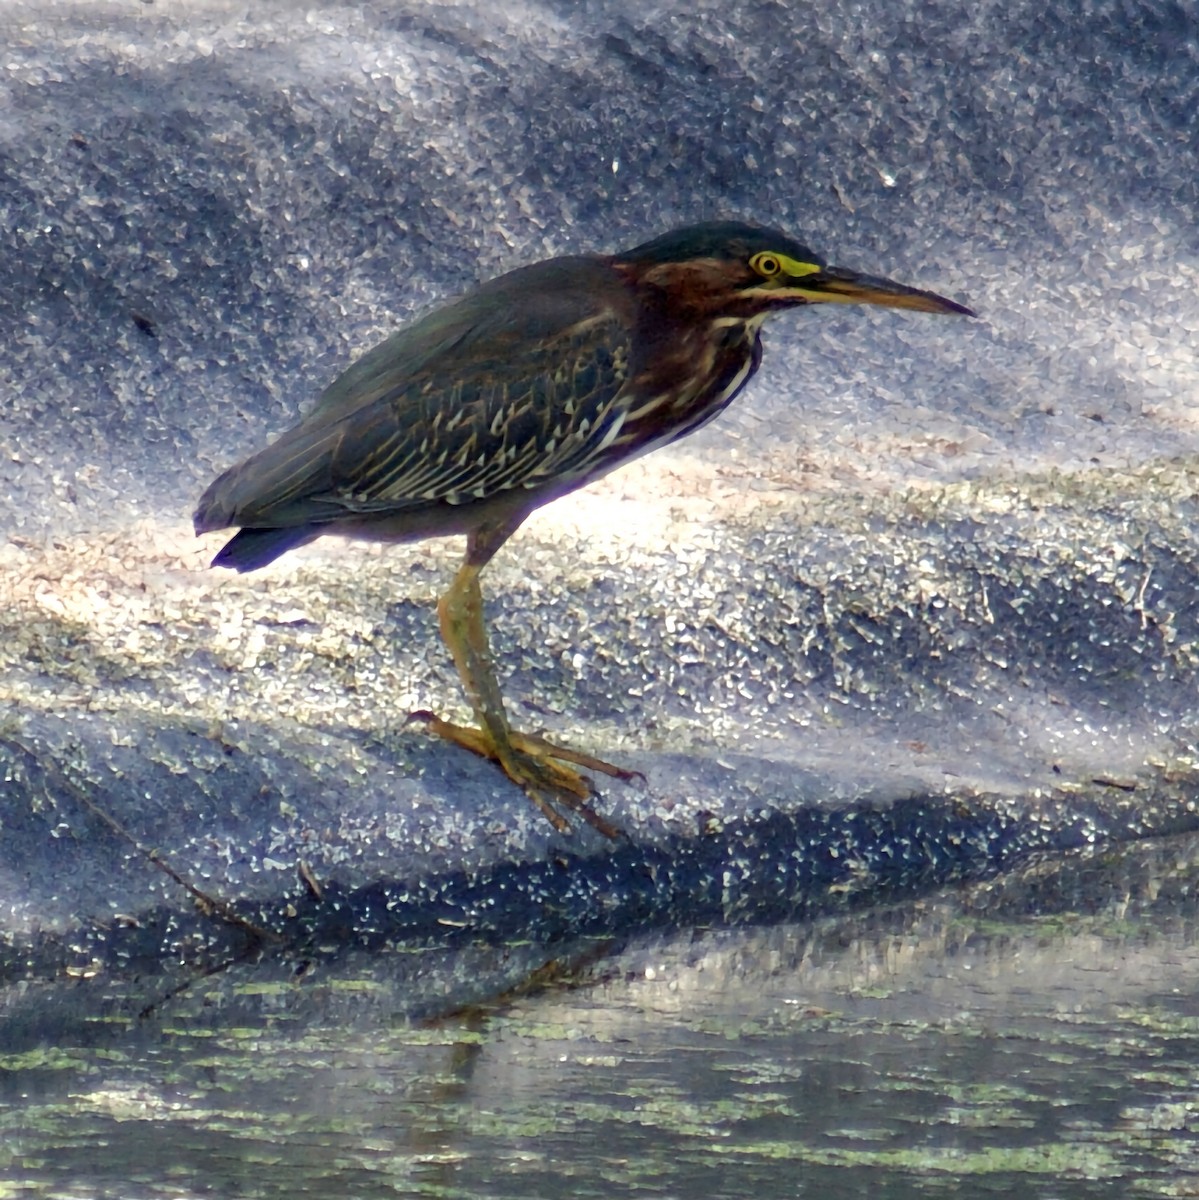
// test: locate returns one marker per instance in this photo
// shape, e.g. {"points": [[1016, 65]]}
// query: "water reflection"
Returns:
{"points": [[1037, 1032]]}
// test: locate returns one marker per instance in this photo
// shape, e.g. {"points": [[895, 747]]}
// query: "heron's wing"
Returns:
{"points": [[509, 387]]}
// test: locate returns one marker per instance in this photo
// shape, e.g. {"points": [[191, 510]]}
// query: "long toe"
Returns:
{"points": [[538, 767], [532, 743], [552, 786]]}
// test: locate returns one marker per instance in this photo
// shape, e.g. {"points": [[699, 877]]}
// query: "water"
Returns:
{"points": [[1037, 1033]]}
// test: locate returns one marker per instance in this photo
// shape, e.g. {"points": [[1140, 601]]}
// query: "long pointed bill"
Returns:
{"points": [[842, 286]]}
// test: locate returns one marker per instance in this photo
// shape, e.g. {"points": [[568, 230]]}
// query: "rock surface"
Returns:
{"points": [[920, 604]]}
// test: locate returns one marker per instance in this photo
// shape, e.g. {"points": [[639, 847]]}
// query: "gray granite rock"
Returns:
{"points": [[937, 570]]}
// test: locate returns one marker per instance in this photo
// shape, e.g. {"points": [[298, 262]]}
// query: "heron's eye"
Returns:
{"points": [[766, 265]]}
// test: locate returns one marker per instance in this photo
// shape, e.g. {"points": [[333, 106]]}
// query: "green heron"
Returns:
{"points": [[527, 388]]}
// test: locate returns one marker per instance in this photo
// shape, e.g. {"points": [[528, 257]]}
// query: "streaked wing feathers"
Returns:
{"points": [[477, 398], [476, 435]]}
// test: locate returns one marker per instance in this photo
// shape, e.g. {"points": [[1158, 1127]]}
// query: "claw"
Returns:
{"points": [[529, 761], [535, 744]]}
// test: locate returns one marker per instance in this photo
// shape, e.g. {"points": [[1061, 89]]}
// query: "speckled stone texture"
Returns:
{"points": [[921, 603]]}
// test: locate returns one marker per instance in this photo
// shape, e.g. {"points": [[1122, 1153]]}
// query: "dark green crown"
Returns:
{"points": [[720, 239]]}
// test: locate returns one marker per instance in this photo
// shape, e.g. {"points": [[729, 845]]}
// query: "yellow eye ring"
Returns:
{"points": [[766, 265]]}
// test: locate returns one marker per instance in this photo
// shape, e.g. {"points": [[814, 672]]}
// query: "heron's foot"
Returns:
{"points": [[538, 767]]}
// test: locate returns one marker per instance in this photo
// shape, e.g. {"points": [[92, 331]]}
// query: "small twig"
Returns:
{"points": [[209, 905], [220, 968], [1139, 606]]}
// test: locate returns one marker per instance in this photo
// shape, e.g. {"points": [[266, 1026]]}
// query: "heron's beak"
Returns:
{"points": [[842, 286]]}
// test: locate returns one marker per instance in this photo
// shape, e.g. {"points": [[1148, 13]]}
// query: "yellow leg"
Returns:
{"points": [[536, 765]]}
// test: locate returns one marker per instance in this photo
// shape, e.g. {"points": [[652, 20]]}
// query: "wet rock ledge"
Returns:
{"points": [[833, 699]]}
